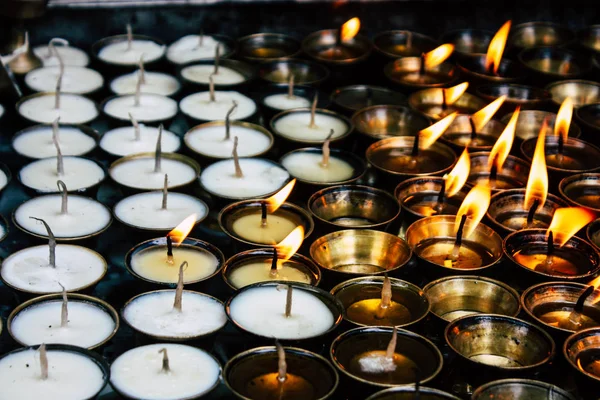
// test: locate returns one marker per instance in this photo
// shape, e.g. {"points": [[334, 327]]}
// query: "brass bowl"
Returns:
{"points": [[468, 42], [580, 91], [474, 70], [528, 97], [305, 72], [520, 389], [552, 63], [583, 346], [589, 118], [399, 71], [589, 39], [429, 103], [530, 123], [261, 47], [537, 34], [592, 233], [350, 99], [458, 135], [409, 393], [317, 44], [399, 43], [385, 121], [582, 190], [513, 175]]}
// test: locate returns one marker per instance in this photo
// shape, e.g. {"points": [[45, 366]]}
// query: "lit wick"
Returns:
{"points": [[65, 197], [217, 59], [228, 121], [263, 214], [165, 192], [138, 90], [273, 272], [415, 149], [51, 243], [158, 152], [211, 88], [281, 364], [290, 94], [531, 213], [313, 111], [494, 171], [60, 166], [129, 36], [575, 315], [444, 100], [169, 250], [64, 310], [325, 149], [473, 128], [136, 128], [439, 206], [236, 159], [386, 298], [391, 349], [453, 256], [179, 289], [546, 265], [422, 67], [43, 361], [142, 74], [165, 361]]}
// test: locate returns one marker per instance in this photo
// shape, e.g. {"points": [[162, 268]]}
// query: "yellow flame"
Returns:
{"points": [[453, 93], [429, 135], [474, 206], [456, 179], [537, 183], [502, 147], [483, 116], [181, 231], [567, 221], [275, 201], [496, 48], [563, 119], [438, 55], [350, 29], [290, 244]]}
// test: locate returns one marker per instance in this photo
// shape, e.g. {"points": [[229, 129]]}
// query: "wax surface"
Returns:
{"points": [[37, 142], [154, 82], [471, 254], [77, 80], [296, 126], [153, 314], [74, 109], [199, 106], [262, 311], [3, 180], [122, 142], [153, 107], [365, 312], [139, 173], [145, 210], [261, 271], [119, 53], [79, 173], [201, 74], [250, 227], [69, 55], [284, 102], [188, 49], [309, 167], [374, 366], [152, 264], [76, 267], [210, 141]]}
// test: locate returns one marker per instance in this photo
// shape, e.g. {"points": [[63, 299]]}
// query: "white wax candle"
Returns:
{"points": [[144, 210], [296, 125], [69, 55], [309, 167], [260, 178], [153, 314], [76, 267], [36, 142], [138, 372], [70, 376], [122, 141], [120, 53], [262, 311], [139, 173], [188, 49], [199, 106], [202, 73], [79, 173], [155, 82], [84, 217], [88, 324], [209, 140], [3, 179], [1, 110], [74, 109], [152, 107], [283, 102], [77, 80]]}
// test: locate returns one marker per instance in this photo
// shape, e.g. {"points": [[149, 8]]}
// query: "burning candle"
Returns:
{"points": [[197, 47], [438, 103], [37, 142], [338, 45], [72, 109], [138, 138], [127, 49]]}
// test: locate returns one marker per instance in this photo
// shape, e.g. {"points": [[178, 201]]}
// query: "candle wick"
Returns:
{"points": [[288, 302], [415, 149], [290, 94], [581, 300], [55, 130], [165, 192], [61, 72], [142, 73], [473, 128], [313, 111], [129, 37], [273, 272], [217, 59], [454, 254], [263, 214], [439, 206], [52, 45], [200, 39], [158, 152], [531, 213], [546, 265], [169, 250], [561, 148], [62, 187], [574, 320], [236, 159], [136, 128], [391, 348], [64, 311], [422, 67], [228, 120], [325, 150], [494, 171], [281, 363], [369, 97], [211, 88], [444, 100], [43, 361], [550, 250], [179, 289], [165, 361], [386, 298], [60, 166], [138, 91], [51, 243]]}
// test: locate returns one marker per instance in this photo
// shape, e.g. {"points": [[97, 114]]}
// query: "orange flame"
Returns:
{"points": [[496, 48], [429, 135], [483, 116], [438, 55], [456, 179], [181, 231], [453, 93], [275, 201], [537, 183], [563, 119], [474, 207], [502, 147], [350, 29], [567, 221], [290, 244]]}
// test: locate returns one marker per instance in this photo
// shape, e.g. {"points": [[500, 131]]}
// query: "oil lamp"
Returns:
{"points": [[581, 351], [350, 99], [408, 392], [399, 43], [582, 92], [582, 190], [261, 47], [438, 103], [468, 43], [338, 46], [520, 388], [525, 97], [530, 122], [381, 122], [549, 64], [539, 34], [305, 72]]}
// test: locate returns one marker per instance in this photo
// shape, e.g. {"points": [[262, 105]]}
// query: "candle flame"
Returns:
{"points": [[429, 135], [290, 244], [496, 48], [567, 221], [502, 147], [456, 179], [453, 93], [181, 231], [483, 116], [537, 183], [474, 206], [438, 55], [563, 119], [350, 29], [275, 201]]}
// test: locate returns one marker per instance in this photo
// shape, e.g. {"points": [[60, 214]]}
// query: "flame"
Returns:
{"points": [[563, 119], [496, 48], [483, 116], [350, 29], [453, 93], [180, 232], [290, 244], [502, 147], [537, 183], [567, 221], [438, 55], [429, 135], [275, 201], [459, 174], [474, 207]]}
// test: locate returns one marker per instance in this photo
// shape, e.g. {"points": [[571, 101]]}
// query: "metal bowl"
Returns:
{"points": [[552, 63], [400, 43], [580, 91], [317, 44], [582, 190], [385, 121], [350, 99], [458, 135], [581, 352], [305, 72], [528, 97], [539, 33], [589, 39], [429, 103], [261, 47], [530, 123], [468, 42], [410, 393], [520, 389], [398, 71]]}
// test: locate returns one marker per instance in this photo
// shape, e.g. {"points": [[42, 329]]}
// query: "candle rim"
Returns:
{"points": [[86, 130], [80, 97], [102, 43]]}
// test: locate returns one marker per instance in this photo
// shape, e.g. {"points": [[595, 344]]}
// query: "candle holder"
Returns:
{"points": [[548, 64], [513, 175], [399, 43], [581, 351], [429, 103], [527, 97], [114, 68], [408, 393], [582, 190], [303, 97], [253, 374], [116, 121], [405, 74], [475, 71], [191, 85], [94, 108], [417, 355], [538, 34], [305, 72], [324, 47], [460, 135], [350, 99], [261, 47], [524, 388], [468, 43], [589, 118], [381, 122], [361, 298], [588, 39], [582, 92], [530, 123]]}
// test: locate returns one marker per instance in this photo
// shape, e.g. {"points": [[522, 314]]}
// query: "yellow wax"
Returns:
{"points": [[268, 387], [374, 366], [261, 271], [250, 228], [152, 264], [365, 312]]}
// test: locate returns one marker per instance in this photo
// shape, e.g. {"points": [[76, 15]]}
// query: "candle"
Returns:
{"points": [[126, 52], [200, 106], [154, 83], [70, 55], [74, 109], [309, 165], [298, 125], [215, 140], [249, 227], [429, 70], [283, 101], [124, 141], [438, 103], [78, 174], [3, 179], [260, 271], [195, 47], [36, 141], [76, 80], [143, 373], [201, 74], [150, 108], [338, 46], [139, 171]]}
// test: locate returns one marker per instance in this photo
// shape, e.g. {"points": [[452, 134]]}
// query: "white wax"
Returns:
{"points": [[202, 73], [261, 177], [77, 80], [71, 376], [79, 173], [262, 312], [3, 180], [155, 82], [74, 109], [139, 173], [210, 141], [199, 106], [84, 217], [138, 372], [1, 110], [76, 267], [187, 49], [144, 210], [88, 324], [152, 107], [122, 142], [69, 55], [283, 102], [296, 126], [119, 53], [37, 142], [308, 167], [153, 314]]}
